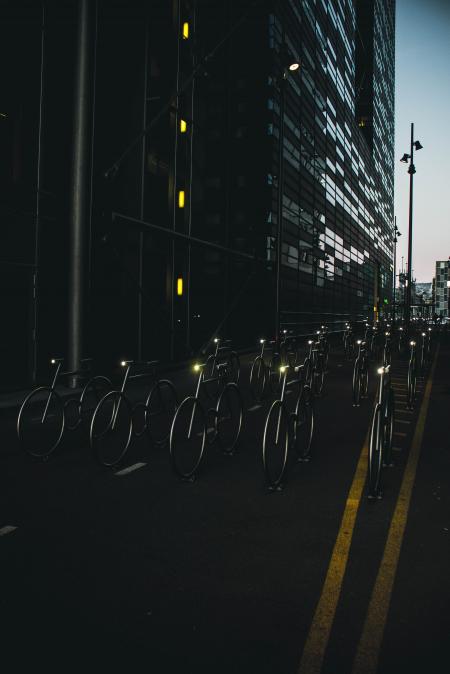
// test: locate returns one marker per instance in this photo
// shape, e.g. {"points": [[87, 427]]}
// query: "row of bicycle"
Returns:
{"points": [[380, 347], [110, 416], [213, 413]]}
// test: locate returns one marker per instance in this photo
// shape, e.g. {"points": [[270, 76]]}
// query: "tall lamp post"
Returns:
{"points": [[397, 233], [288, 64], [415, 144]]}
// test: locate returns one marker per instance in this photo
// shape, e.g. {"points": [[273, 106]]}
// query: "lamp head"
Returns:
{"points": [[405, 158], [418, 145]]}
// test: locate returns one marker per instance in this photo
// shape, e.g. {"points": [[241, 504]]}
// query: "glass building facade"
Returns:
{"points": [[256, 191]]}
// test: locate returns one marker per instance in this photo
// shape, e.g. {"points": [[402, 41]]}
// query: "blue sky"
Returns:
{"points": [[423, 97]]}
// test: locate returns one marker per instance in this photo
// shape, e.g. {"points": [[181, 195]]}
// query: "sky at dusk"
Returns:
{"points": [[423, 96]]}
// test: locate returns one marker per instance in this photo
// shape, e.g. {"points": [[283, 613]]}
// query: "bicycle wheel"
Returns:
{"points": [[275, 444], [111, 428], [304, 424], [161, 406], [389, 416], [95, 389], [234, 367], [228, 418], [258, 375], [40, 422], [375, 453], [187, 438], [356, 383]]}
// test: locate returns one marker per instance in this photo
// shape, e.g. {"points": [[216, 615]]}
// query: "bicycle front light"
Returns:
{"points": [[412, 343], [283, 368], [380, 370], [196, 367]]}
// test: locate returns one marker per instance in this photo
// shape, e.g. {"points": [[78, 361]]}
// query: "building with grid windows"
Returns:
{"points": [[259, 197], [442, 288]]}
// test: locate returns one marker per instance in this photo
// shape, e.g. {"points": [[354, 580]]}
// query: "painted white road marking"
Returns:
{"points": [[7, 530], [130, 469]]}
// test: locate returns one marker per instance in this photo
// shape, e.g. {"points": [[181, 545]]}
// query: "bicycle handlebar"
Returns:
{"points": [[139, 363]]}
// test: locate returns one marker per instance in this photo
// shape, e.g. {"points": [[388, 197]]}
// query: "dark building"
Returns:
{"points": [[244, 162]]}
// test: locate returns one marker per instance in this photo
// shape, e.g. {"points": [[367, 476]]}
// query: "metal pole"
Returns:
{"points": [[411, 174], [80, 186], [280, 208], [395, 264]]}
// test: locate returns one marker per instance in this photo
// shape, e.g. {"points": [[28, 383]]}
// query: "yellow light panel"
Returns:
{"points": [[183, 126], [185, 31], [181, 199], [179, 286]]}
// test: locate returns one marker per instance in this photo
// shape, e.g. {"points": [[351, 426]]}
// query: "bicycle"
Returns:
{"points": [[322, 337], [360, 381], [262, 376], [387, 349], [191, 429], [401, 340], [43, 416], [348, 339], [114, 422], [220, 354], [381, 432], [412, 376], [314, 364], [425, 350], [288, 349], [284, 429]]}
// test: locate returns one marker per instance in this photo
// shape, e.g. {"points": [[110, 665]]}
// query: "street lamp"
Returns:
{"points": [[415, 144], [397, 233]]}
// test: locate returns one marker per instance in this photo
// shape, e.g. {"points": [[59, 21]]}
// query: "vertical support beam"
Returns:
{"points": [[37, 222], [280, 207], [191, 169], [81, 168], [142, 200]]}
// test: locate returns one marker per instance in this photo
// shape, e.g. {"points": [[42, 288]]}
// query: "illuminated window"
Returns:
{"points": [[179, 286], [181, 199], [185, 31], [183, 126]]}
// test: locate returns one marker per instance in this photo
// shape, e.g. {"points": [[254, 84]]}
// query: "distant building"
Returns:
{"points": [[424, 290], [442, 283]]}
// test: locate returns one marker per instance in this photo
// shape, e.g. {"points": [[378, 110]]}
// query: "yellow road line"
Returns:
{"points": [[319, 633], [367, 654]]}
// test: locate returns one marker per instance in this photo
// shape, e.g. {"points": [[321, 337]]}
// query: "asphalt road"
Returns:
{"points": [[145, 572]]}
